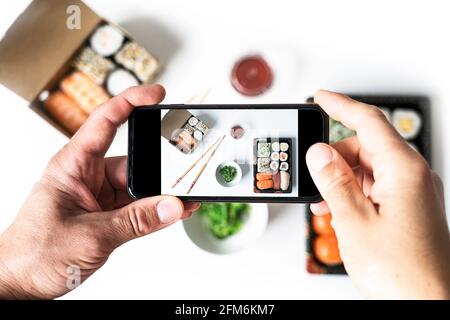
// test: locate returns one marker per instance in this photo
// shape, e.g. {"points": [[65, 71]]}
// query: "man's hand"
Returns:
{"points": [[387, 206], [79, 211]]}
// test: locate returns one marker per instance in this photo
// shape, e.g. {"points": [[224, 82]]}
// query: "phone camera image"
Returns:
{"points": [[245, 153], [219, 153]]}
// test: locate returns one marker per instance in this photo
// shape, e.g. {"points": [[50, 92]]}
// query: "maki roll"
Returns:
{"points": [[198, 135], [193, 121], [284, 180], [263, 149], [106, 40], [275, 156], [283, 156], [284, 146], [274, 165], [275, 146], [284, 166], [202, 127], [263, 164], [407, 122], [119, 80], [93, 65], [135, 58]]}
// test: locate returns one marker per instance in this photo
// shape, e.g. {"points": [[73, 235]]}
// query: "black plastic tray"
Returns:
{"points": [[289, 161]]}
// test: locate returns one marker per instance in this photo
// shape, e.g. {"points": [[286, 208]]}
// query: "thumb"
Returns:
{"points": [[337, 183], [142, 217]]}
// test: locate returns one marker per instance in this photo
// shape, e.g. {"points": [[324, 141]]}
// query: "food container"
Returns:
{"points": [[410, 115], [65, 70], [183, 130], [272, 165], [253, 227]]}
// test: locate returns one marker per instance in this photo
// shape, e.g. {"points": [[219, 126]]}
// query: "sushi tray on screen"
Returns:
{"points": [[410, 116], [272, 165]]}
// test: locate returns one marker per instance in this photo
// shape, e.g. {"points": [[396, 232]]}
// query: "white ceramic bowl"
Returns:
{"points": [[252, 229], [236, 179]]}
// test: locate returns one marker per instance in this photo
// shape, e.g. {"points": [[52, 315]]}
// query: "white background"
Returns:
{"points": [[257, 124], [350, 46]]}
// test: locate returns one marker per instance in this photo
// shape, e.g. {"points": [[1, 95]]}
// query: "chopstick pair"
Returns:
{"points": [[214, 148]]}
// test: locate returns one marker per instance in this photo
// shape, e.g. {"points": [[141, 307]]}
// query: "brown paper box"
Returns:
{"points": [[172, 121], [36, 51]]}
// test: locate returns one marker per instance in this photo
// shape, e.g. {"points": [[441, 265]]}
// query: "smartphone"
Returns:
{"points": [[221, 153]]}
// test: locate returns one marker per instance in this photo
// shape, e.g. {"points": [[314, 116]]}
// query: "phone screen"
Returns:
{"points": [[224, 153]]}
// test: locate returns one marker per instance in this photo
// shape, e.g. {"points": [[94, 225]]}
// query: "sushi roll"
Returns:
{"points": [[106, 40], [193, 121], [202, 127], [284, 166], [93, 65], [264, 176], [189, 128], [198, 135], [65, 111], [274, 165], [284, 146], [407, 122], [275, 146], [275, 156], [283, 156], [264, 184], [135, 58], [263, 164], [284, 180], [119, 80], [187, 138], [85, 92], [263, 149]]}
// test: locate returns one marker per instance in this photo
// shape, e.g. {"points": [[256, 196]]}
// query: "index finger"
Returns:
{"points": [[375, 133], [97, 133]]}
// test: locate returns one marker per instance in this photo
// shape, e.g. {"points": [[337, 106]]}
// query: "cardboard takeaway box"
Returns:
{"points": [[183, 130], [38, 52]]}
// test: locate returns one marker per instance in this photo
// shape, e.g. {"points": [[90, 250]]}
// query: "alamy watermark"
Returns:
{"points": [[73, 21]]}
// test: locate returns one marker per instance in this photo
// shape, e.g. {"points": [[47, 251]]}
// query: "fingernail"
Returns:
{"points": [[168, 210], [318, 156], [196, 207]]}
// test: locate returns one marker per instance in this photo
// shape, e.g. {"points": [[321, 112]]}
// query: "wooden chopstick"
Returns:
{"points": [[199, 98], [194, 163], [204, 166]]}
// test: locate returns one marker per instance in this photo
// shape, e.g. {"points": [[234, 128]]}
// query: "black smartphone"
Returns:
{"points": [[215, 153]]}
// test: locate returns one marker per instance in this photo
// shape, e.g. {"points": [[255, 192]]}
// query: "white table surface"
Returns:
{"points": [[257, 124], [350, 46]]}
